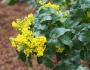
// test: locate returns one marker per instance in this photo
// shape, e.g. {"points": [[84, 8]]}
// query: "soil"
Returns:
{"points": [[8, 56]]}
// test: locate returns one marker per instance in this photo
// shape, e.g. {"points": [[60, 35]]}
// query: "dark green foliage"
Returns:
{"points": [[71, 33]]}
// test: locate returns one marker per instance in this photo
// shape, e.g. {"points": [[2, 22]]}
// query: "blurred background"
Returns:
{"points": [[8, 56]]}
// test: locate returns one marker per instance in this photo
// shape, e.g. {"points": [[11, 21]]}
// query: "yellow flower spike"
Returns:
{"points": [[32, 44], [55, 7], [48, 5]]}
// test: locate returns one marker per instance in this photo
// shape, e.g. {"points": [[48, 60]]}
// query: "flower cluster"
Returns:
{"points": [[26, 41], [41, 2], [59, 50], [49, 5], [56, 7]]}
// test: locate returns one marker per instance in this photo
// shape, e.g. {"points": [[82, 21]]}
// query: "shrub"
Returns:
{"points": [[60, 28]]}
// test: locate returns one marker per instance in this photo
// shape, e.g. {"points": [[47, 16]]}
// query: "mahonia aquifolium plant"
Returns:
{"points": [[26, 40], [60, 28]]}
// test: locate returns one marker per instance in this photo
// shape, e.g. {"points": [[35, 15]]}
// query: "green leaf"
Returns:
{"points": [[73, 23], [51, 10], [82, 68], [57, 67], [58, 56], [30, 62], [84, 36], [51, 47], [22, 56], [42, 27], [57, 32], [87, 56], [65, 65], [80, 14], [17, 54], [48, 62], [82, 54], [39, 60], [88, 46], [79, 28], [58, 2], [84, 1], [67, 41], [84, 6], [49, 53], [47, 11], [57, 42], [68, 65], [11, 2], [45, 0], [47, 17], [77, 44], [55, 17]]}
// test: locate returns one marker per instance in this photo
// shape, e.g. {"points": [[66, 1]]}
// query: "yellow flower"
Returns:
{"points": [[58, 12], [21, 39], [13, 42], [38, 43], [57, 7], [32, 44], [27, 51], [59, 50], [49, 5], [18, 48], [41, 2], [40, 53], [14, 24], [88, 14], [65, 14]]}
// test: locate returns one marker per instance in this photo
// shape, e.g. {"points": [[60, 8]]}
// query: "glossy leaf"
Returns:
{"points": [[67, 41], [82, 54], [58, 2], [56, 17], [57, 32], [82, 68], [30, 62], [48, 62], [45, 18], [22, 56], [39, 60], [11, 2], [84, 36]]}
